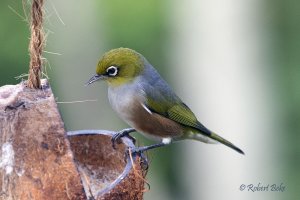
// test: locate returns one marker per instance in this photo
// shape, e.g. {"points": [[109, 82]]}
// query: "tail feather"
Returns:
{"points": [[214, 138], [226, 142]]}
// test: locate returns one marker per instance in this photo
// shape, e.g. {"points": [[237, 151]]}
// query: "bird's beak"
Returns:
{"points": [[94, 78]]}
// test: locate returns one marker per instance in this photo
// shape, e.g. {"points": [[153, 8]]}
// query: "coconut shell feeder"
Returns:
{"points": [[40, 160]]}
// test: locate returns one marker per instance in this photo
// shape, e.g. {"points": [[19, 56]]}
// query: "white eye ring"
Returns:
{"points": [[112, 71]]}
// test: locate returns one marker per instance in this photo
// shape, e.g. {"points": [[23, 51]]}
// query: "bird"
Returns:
{"points": [[145, 101]]}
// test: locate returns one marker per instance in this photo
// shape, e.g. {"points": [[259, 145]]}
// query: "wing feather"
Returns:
{"points": [[161, 99], [176, 111]]}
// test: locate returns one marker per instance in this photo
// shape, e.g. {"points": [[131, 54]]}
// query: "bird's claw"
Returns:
{"points": [[144, 162], [116, 137], [138, 152]]}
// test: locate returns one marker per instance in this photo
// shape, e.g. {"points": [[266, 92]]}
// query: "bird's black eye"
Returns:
{"points": [[112, 71]]}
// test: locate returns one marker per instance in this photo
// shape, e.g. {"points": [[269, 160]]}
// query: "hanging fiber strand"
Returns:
{"points": [[36, 44]]}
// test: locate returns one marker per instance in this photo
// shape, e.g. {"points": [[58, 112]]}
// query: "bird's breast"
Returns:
{"points": [[124, 100]]}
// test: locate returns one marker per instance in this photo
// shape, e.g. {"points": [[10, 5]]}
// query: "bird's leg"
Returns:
{"points": [[125, 132], [139, 150]]}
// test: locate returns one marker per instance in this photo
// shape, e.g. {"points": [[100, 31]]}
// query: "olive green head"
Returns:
{"points": [[118, 66]]}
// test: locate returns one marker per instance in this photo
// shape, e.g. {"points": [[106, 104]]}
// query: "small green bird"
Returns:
{"points": [[147, 103]]}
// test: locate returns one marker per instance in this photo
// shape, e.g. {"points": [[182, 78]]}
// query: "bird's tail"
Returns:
{"points": [[214, 138]]}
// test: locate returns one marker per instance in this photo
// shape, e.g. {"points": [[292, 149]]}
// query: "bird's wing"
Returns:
{"points": [[176, 111], [162, 100], [182, 114]]}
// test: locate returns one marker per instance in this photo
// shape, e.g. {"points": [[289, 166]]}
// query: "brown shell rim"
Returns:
{"points": [[126, 141]]}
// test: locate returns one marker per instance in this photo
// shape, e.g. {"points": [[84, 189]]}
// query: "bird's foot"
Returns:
{"points": [[125, 132], [138, 151], [144, 162]]}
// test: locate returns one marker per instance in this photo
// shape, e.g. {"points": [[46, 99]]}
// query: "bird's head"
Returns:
{"points": [[118, 67]]}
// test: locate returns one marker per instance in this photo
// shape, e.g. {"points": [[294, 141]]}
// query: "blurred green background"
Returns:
{"points": [[235, 63]]}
